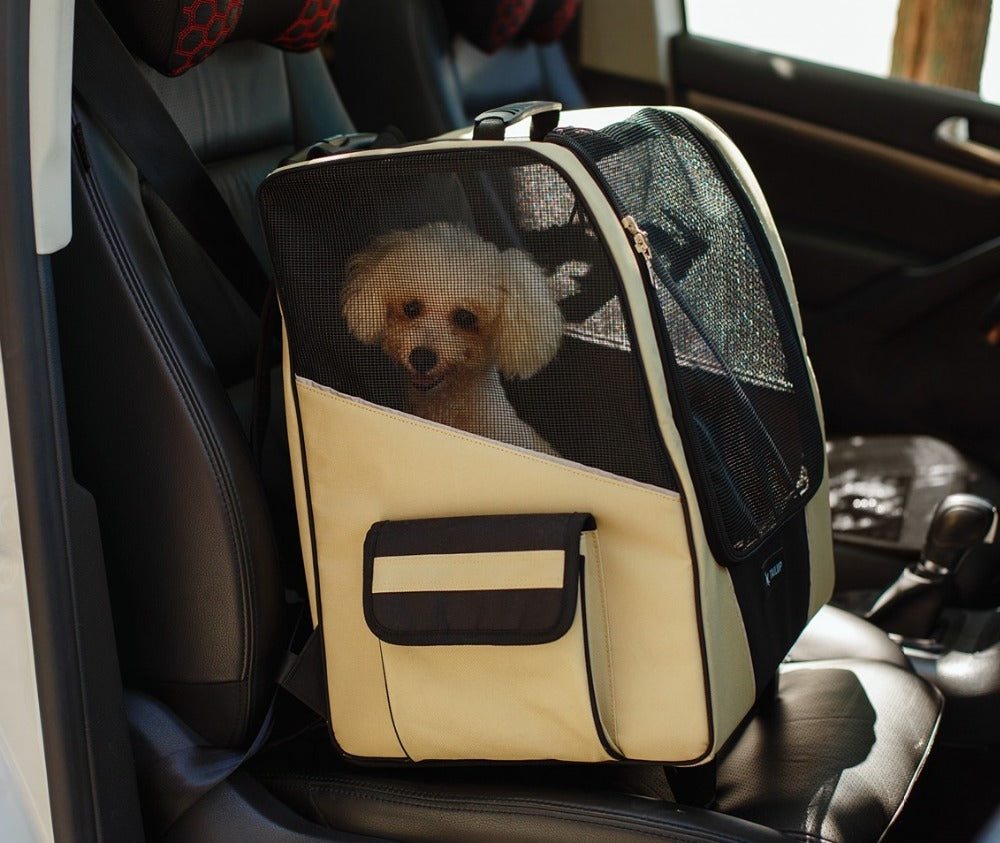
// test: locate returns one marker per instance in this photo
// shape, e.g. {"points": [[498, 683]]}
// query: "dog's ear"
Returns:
{"points": [[530, 325], [363, 303]]}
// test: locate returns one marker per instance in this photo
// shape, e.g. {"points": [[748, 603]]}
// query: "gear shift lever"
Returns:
{"points": [[911, 605]]}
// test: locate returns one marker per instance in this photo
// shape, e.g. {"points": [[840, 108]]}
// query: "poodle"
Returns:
{"points": [[456, 312]]}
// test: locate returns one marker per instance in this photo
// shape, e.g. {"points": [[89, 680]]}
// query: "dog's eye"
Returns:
{"points": [[411, 310], [465, 319]]}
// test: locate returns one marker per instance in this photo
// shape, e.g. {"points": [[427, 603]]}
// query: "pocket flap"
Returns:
{"points": [[491, 579]]}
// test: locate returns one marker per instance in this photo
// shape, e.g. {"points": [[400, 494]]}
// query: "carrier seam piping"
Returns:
{"points": [[607, 635]]}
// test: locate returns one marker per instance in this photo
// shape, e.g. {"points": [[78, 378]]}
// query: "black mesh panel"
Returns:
{"points": [[739, 381], [466, 288]]}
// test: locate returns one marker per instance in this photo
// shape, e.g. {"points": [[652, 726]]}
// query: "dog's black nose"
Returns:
{"points": [[423, 359]]}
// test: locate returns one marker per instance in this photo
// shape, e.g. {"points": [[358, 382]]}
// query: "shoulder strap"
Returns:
{"points": [[108, 80]]}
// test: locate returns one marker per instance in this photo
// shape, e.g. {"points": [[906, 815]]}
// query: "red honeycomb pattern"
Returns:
{"points": [[560, 18], [202, 26], [306, 32], [508, 18]]}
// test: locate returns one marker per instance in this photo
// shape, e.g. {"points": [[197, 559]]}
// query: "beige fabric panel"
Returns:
{"points": [[820, 535], [819, 528], [469, 571], [387, 465], [498, 703]]}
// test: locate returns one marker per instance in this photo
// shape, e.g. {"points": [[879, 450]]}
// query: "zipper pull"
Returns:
{"points": [[639, 239]]}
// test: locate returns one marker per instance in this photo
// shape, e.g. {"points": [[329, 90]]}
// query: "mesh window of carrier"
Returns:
{"points": [[556, 445]]}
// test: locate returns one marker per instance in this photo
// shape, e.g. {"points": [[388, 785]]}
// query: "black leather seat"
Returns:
{"points": [[407, 63], [158, 353]]}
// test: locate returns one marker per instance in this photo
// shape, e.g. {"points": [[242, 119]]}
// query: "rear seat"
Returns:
{"points": [[158, 354]]}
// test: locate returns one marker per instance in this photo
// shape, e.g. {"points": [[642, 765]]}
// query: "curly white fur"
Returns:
{"points": [[455, 312]]}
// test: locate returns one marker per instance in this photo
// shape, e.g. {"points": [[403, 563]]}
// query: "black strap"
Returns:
{"points": [[176, 770], [303, 675], [693, 785], [108, 80]]}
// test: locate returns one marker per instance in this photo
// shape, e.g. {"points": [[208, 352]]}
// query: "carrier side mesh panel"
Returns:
{"points": [[468, 289], [745, 400]]}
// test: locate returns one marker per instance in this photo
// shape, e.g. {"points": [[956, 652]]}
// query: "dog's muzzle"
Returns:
{"points": [[422, 361]]}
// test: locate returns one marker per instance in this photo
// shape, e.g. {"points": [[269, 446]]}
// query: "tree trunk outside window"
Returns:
{"points": [[941, 42]]}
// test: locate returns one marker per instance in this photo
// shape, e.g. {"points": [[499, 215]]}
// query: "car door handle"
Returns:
{"points": [[953, 132]]}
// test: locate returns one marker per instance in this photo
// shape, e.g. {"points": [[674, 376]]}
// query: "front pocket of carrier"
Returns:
{"points": [[487, 646]]}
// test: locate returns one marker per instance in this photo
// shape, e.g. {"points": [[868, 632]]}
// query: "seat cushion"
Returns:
{"points": [[833, 759], [835, 756], [836, 634]]}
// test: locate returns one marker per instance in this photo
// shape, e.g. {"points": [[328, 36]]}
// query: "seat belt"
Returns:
{"points": [[175, 772], [108, 80]]}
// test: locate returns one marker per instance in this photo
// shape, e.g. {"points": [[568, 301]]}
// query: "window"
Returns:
{"points": [[852, 34]]}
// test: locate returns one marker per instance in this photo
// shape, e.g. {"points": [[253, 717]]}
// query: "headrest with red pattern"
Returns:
{"points": [[172, 36], [490, 24]]}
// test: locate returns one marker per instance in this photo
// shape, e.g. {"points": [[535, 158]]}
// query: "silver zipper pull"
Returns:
{"points": [[639, 239]]}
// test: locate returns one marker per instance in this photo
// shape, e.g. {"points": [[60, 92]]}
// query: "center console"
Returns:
{"points": [[918, 555]]}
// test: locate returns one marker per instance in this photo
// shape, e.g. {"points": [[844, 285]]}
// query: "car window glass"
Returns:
{"points": [[930, 41]]}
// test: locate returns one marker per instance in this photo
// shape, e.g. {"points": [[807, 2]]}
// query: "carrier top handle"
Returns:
{"points": [[491, 125]]}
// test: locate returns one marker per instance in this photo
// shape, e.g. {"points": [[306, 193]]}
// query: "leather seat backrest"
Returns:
{"points": [[430, 66], [158, 361]]}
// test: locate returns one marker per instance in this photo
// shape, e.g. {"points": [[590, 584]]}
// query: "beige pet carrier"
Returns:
{"points": [[556, 443]]}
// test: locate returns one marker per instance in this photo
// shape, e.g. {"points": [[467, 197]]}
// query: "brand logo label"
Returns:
{"points": [[772, 568]]}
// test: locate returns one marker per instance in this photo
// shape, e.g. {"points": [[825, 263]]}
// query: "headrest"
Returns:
{"points": [[172, 36], [549, 20], [491, 24]]}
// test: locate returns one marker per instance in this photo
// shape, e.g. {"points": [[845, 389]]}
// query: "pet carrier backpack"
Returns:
{"points": [[555, 441]]}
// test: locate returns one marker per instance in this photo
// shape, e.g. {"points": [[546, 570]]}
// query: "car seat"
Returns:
{"points": [[158, 354], [456, 64]]}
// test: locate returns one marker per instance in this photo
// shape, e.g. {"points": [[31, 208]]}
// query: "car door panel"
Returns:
{"points": [[893, 238]]}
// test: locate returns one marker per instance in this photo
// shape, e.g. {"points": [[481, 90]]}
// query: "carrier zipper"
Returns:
{"points": [[640, 241]]}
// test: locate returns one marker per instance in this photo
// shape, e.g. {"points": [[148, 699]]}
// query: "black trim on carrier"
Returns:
{"points": [[773, 595], [427, 614]]}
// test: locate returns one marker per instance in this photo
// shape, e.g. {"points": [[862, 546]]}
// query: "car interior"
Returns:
{"points": [[175, 604]]}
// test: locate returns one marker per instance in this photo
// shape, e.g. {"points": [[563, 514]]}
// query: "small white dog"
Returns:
{"points": [[455, 312]]}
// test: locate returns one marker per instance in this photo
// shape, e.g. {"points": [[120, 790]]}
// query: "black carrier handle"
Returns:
{"points": [[492, 125]]}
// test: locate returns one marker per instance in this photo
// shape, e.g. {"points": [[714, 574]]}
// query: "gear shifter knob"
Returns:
{"points": [[959, 522], [912, 605]]}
